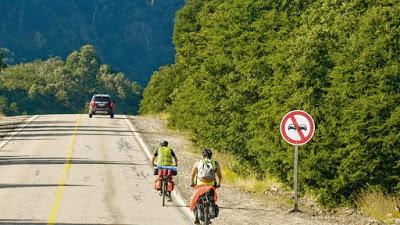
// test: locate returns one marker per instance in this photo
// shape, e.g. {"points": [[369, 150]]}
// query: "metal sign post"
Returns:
{"points": [[297, 128], [296, 162]]}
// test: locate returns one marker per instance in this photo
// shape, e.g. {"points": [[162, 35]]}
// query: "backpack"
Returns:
{"points": [[206, 170]]}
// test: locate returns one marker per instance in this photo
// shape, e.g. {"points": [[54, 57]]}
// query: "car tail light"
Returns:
{"points": [[92, 103]]}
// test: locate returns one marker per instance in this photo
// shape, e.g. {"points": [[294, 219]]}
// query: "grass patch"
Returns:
{"points": [[379, 205], [254, 185], [162, 115], [249, 182]]}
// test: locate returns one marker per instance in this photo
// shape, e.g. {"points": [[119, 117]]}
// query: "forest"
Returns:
{"points": [[58, 86], [241, 65], [131, 36]]}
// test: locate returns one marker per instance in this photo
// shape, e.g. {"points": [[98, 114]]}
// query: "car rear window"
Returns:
{"points": [[101, 99]]}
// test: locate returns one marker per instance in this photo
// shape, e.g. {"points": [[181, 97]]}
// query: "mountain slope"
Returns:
{"points": [[132, 36]]}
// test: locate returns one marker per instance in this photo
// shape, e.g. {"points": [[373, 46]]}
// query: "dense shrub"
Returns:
{"points": [[245, 63]]}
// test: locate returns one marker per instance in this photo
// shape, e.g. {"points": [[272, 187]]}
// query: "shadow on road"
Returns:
{"points": [[246, 209], [53, 126], [33, 139], [222, 207], [5, 124], [60, 160], [80, 128], [2, 186], [52, 121], [9, 124], [100, 133], [36, 222], [66, 129], [58, 129], [45, 134]]}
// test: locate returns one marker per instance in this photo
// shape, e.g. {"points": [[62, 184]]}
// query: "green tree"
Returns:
{"points": [[55, 86], [243, 64], [2, 58]]}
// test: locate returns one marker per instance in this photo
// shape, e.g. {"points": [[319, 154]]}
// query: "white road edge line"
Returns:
{"points": [[5, 142], [175, 193]]}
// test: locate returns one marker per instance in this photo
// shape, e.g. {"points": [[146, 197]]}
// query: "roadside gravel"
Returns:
{"points": [[238, 207]]}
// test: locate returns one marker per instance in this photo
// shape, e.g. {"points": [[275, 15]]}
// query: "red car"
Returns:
{"points": [[101, 103]]}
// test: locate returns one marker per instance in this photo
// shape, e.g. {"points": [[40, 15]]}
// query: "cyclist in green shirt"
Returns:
{"points": [[164, 155]]}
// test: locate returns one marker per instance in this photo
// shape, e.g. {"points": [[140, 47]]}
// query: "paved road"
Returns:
{"points": [[69, 169]]}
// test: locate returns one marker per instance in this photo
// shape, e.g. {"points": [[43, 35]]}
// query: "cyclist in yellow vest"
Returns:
{"points": [[165, 156]]}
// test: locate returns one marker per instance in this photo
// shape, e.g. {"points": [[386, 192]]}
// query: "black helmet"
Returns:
{"points": [[207, 153], [164, 143]]}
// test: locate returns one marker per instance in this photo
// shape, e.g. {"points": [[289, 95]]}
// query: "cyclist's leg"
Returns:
{"points": [[169, 196], [169, 193]]}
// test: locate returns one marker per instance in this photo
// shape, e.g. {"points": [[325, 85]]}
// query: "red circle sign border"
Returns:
{"points": [[305, 139]]}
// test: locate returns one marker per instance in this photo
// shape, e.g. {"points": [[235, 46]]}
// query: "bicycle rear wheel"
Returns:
{"points": [[164, 190], [206, 215]]}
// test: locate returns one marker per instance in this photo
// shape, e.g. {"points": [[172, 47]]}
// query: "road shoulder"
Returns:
{"points": [[237, 207]]}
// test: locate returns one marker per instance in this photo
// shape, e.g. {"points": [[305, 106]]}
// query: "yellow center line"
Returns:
{"points": [[54, 211]]}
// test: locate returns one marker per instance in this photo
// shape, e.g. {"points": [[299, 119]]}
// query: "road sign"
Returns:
{"points": [[297, 127]]}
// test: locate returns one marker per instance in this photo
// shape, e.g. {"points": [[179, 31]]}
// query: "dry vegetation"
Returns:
{"points": [[250, 183], [380, 206]]}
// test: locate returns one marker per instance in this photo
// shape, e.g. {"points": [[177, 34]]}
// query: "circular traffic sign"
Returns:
{"points": [[297, 127]]}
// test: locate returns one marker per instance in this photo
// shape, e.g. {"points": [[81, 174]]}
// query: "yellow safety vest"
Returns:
{"points": [[164, 156]]}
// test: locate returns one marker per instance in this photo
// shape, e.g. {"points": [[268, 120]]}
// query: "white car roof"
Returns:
{"points": [[101, 95]]}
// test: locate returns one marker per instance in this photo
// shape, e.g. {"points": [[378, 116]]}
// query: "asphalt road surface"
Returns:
{"points": [[69, 169]]}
